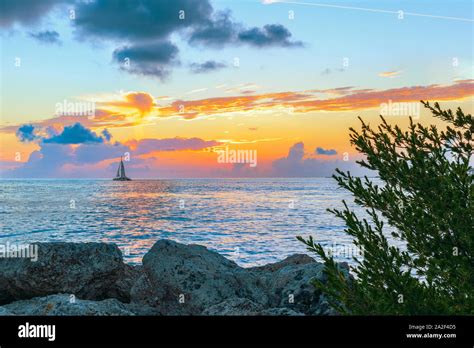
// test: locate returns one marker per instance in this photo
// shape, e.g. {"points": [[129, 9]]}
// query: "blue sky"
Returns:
{"points": [[373, 42]]}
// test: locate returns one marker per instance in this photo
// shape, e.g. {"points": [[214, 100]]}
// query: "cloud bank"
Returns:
{"points": [[298, 164], [145, 29], [77, 151]]}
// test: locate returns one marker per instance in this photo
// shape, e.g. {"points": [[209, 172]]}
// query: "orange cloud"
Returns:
{"points": [[370, 99], [346, 99], [140, 101], [340, 99], [194, 108], [390, 74]]}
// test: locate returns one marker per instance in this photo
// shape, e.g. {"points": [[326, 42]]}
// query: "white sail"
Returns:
{"points": [[118, 172], [122, 169]]}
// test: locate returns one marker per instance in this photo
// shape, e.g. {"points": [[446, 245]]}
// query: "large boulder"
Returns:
{"points": [[288, 284], [187, 279], [175, 279], [127, 278], [65, 304], [92, 271]]}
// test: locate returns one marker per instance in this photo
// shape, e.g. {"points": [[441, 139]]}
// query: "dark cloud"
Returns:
{"points": [[47, 36], [322, 151], [269, 35], [106, 134], [147, 59], [139, 19], [144, 28], [208, 66], [147, 26], [75, 134], [26, 133], [222, 30], [25, 11], [216, 32]]}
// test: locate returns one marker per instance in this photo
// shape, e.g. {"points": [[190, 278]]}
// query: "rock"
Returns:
{"points": [[61, 304], [288, 283], [293, 260], [122, 287], [245, 307], [280, 312], [175, 279], [140, 309], [187, 279], [4, 312], [143, 294], [89, 270], [234, 306], [323, 307]]}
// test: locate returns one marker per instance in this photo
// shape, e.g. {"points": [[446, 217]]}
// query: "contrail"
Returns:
{"points": [[369, 10]]}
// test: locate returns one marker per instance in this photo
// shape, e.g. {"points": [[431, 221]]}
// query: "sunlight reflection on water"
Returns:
{"points": [[251, 221]]}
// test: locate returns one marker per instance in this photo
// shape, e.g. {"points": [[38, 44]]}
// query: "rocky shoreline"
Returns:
{"points": [[174, 279]]}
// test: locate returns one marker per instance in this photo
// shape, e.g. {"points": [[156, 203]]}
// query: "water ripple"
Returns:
{"points": [[252, 221]]}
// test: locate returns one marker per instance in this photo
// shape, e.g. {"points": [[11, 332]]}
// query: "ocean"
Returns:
{"points": [[251, 221]]}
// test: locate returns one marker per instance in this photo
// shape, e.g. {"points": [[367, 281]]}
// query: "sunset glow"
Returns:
{"points": [[174, 117]]}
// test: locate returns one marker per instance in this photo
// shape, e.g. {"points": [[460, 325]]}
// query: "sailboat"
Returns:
{"points": [[121, 173]]}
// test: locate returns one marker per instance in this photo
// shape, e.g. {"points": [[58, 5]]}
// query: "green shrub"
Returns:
{"points": [[427, 198]]}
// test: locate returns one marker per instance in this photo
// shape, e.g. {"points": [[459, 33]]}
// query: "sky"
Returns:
{"points": [[171, 85]]}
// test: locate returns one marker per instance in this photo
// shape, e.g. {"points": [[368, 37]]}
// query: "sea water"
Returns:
{"points": [[251, 221]]}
